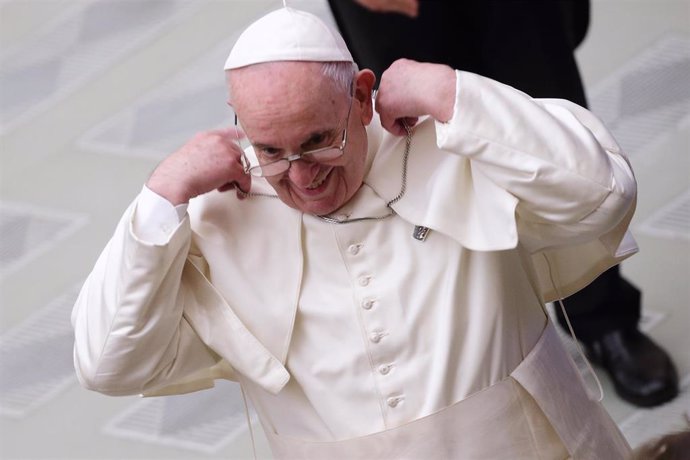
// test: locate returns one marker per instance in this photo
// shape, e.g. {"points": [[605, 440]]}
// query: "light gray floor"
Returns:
{"points": [[94, 93]]}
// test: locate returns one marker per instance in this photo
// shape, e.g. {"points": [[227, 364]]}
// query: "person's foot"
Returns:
{"points": [[642, 372]]}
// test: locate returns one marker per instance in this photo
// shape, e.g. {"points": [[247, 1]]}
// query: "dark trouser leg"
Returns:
{"points": [[610, 302]]}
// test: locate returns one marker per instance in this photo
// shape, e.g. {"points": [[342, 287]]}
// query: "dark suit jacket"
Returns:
{"points": [[527, 44]]}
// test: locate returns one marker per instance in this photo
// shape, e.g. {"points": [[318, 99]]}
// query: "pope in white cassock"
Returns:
{"points": [[372, 270]]}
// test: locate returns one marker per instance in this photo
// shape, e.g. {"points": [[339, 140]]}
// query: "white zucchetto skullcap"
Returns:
{"points": [[287, 35]]}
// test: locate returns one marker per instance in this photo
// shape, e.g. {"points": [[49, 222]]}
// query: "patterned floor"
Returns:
{"points": [[94, 93]]}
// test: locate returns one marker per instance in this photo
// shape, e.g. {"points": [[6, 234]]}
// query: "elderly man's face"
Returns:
{"points": [[290, 107]]}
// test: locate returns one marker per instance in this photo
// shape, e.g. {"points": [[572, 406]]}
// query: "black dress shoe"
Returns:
{"points": [[642, 372]]}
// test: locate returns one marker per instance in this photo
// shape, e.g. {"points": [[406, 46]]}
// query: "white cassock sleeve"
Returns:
{"points": [[147, 318], [511, 171], [155, 218], [130, 331], [558, 174]]}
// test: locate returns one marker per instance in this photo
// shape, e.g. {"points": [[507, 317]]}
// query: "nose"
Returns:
{"points": [[303, 172]]}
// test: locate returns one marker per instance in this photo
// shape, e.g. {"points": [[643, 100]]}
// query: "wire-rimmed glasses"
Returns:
{"points": [[281, 165]]}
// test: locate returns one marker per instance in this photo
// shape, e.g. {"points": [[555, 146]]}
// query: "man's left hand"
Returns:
{"points": [[407, 7], [411, 89]]}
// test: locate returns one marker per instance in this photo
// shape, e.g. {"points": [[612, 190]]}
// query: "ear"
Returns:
{"points": [[364, 83]]}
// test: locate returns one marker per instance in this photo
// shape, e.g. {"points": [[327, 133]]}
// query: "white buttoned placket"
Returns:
{"points": [[377, 312], [379, 339]]}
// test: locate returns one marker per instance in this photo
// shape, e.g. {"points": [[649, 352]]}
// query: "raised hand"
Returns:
{"points": [[410, 89], [208, 161]]}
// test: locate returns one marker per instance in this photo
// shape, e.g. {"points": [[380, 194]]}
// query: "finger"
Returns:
{"points": [[228, 186], [398, 129], [386, 121], [394, 127], [243, 190], [236, 177], [410, 8], [243, 181], [406, 7], [410, 121]]}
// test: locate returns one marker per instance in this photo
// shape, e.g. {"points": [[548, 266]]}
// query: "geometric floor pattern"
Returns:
{"points": [[647, 98], [36, 358], [28, 231], [80, 43], [204, 421], [196, 95], [36, 365], [671, 221]]}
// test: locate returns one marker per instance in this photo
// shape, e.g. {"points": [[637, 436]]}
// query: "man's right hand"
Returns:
{"points": [[209, 161]]}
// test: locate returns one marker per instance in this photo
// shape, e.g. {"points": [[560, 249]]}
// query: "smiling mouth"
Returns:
{"points": [[319, 182]]}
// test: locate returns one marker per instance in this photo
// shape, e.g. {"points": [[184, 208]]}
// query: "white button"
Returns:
{"points": [[364, 280], [354, 249], [368, 304], [376, 336], [394, 401], [385, 369]]}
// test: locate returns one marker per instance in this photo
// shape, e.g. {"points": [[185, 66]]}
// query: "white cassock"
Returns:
{"points": [[358, 341]]}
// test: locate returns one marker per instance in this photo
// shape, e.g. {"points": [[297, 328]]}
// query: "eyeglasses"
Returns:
{"points": [[319, 155]]}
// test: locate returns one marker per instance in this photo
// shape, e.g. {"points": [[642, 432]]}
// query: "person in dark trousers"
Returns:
{"points": [[528, 45]]}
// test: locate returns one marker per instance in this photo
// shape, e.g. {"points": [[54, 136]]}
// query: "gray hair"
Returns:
{"points": [[342, 73]]}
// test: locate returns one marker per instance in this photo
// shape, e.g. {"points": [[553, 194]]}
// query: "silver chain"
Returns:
{"points": [[255, 194], [334, 220]]}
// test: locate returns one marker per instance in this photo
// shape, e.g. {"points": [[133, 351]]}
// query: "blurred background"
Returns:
{"points": [[94, 93]]}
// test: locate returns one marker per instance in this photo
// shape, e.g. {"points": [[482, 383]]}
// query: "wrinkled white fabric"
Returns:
{"points": [[502, 421], [526, 200]]}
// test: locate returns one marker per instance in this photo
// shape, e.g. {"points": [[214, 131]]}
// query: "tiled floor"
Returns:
{"points": [[93, 93]]}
